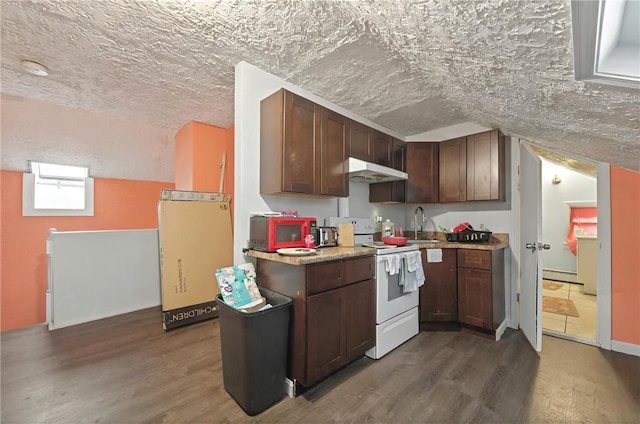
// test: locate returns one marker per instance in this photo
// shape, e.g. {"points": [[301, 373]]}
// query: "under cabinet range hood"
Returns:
{"points": [[369, 172]]}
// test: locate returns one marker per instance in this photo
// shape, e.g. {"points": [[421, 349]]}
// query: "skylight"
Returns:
{"points": [[606, 41], [617, 48]]}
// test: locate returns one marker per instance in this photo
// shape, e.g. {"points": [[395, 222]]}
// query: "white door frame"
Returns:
{"points": [[603, 284], [514, 236], [603, 330]]}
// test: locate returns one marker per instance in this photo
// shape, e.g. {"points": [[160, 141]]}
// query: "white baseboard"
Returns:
{"points": [[559, 275], [571, 338], [628, 348], [288, 388], [500, 329], [48, 300]]}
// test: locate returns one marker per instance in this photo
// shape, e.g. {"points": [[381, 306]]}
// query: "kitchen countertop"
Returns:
{"points": [[498, 241], [324, 254]]}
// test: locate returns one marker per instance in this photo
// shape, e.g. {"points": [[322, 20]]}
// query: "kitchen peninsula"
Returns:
{"points": [[333, 291]]}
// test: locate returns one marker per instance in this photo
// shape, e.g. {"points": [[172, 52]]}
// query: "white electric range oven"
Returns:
{"points": [[396, 312]]}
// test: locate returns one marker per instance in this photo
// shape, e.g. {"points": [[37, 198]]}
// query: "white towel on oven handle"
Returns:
{"points": [[414, 260], [412, 276], [392, 263]]}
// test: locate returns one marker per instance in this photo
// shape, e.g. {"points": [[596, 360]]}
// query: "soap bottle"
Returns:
{"points": [[388, 228]]}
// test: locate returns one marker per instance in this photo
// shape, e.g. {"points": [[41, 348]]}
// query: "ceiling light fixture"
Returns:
{"points": [[34, 68]]}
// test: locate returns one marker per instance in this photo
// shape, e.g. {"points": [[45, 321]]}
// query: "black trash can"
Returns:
{"points": [[254, 352]]}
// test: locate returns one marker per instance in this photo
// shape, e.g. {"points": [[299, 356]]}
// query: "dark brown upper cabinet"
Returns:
{"points": [[361, 142], [422, 167], [392, 191], [303, 147], [453, 170], [304, 150], [472, 168], [382, 145], [485, 166], [398, 155], [334, 148]]}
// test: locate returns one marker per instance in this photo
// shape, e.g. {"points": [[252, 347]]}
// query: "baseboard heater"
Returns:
{"points": [[560, 275]]}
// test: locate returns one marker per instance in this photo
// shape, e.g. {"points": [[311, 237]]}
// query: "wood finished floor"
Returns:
{"points": [[126, 369]]}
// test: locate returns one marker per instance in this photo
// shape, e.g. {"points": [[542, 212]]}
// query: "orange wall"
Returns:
{"points": [[184, 158], [199, 150], [118, 205], [625, 256]]}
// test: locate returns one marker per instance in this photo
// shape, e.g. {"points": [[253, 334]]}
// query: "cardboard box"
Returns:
{"points": [[195, 240]]}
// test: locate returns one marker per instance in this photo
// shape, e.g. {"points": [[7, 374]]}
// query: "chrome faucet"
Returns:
{"points": [[415, 220]]}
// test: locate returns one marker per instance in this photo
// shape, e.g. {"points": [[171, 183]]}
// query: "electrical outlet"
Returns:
{"points": [[378, 220]]}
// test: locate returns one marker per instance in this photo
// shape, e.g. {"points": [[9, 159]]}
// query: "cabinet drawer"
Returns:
{"points": [[469, 258], [325, 276], [359, 269]]}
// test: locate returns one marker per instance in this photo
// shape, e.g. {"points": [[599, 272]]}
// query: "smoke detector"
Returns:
{"points": [[34, 68]]}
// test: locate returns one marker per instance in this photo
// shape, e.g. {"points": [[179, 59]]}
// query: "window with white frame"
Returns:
{"points": [[58, 190]]}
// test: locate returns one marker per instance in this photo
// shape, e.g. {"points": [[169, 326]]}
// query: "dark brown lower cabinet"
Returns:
{"points": [[326, 333], [333, 315], [481, 302], [439, 294], [339, 328], [361, 318], [475, 297]]}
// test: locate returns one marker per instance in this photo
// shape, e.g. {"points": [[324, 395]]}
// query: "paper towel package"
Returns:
{"points": [[345, 235]]}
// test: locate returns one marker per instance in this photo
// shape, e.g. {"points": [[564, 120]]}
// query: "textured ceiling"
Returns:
{"points": [[411, 66]]}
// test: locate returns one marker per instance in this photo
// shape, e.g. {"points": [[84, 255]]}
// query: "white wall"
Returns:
{"points": [[447, 133], [574, 187], [493, 215], [111, 147]]}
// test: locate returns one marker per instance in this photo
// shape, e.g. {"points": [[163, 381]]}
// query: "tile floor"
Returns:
{"points": [[584, 326]]}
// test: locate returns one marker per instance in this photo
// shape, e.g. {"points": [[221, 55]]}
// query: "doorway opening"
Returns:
{"points": [[569, 302]]}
